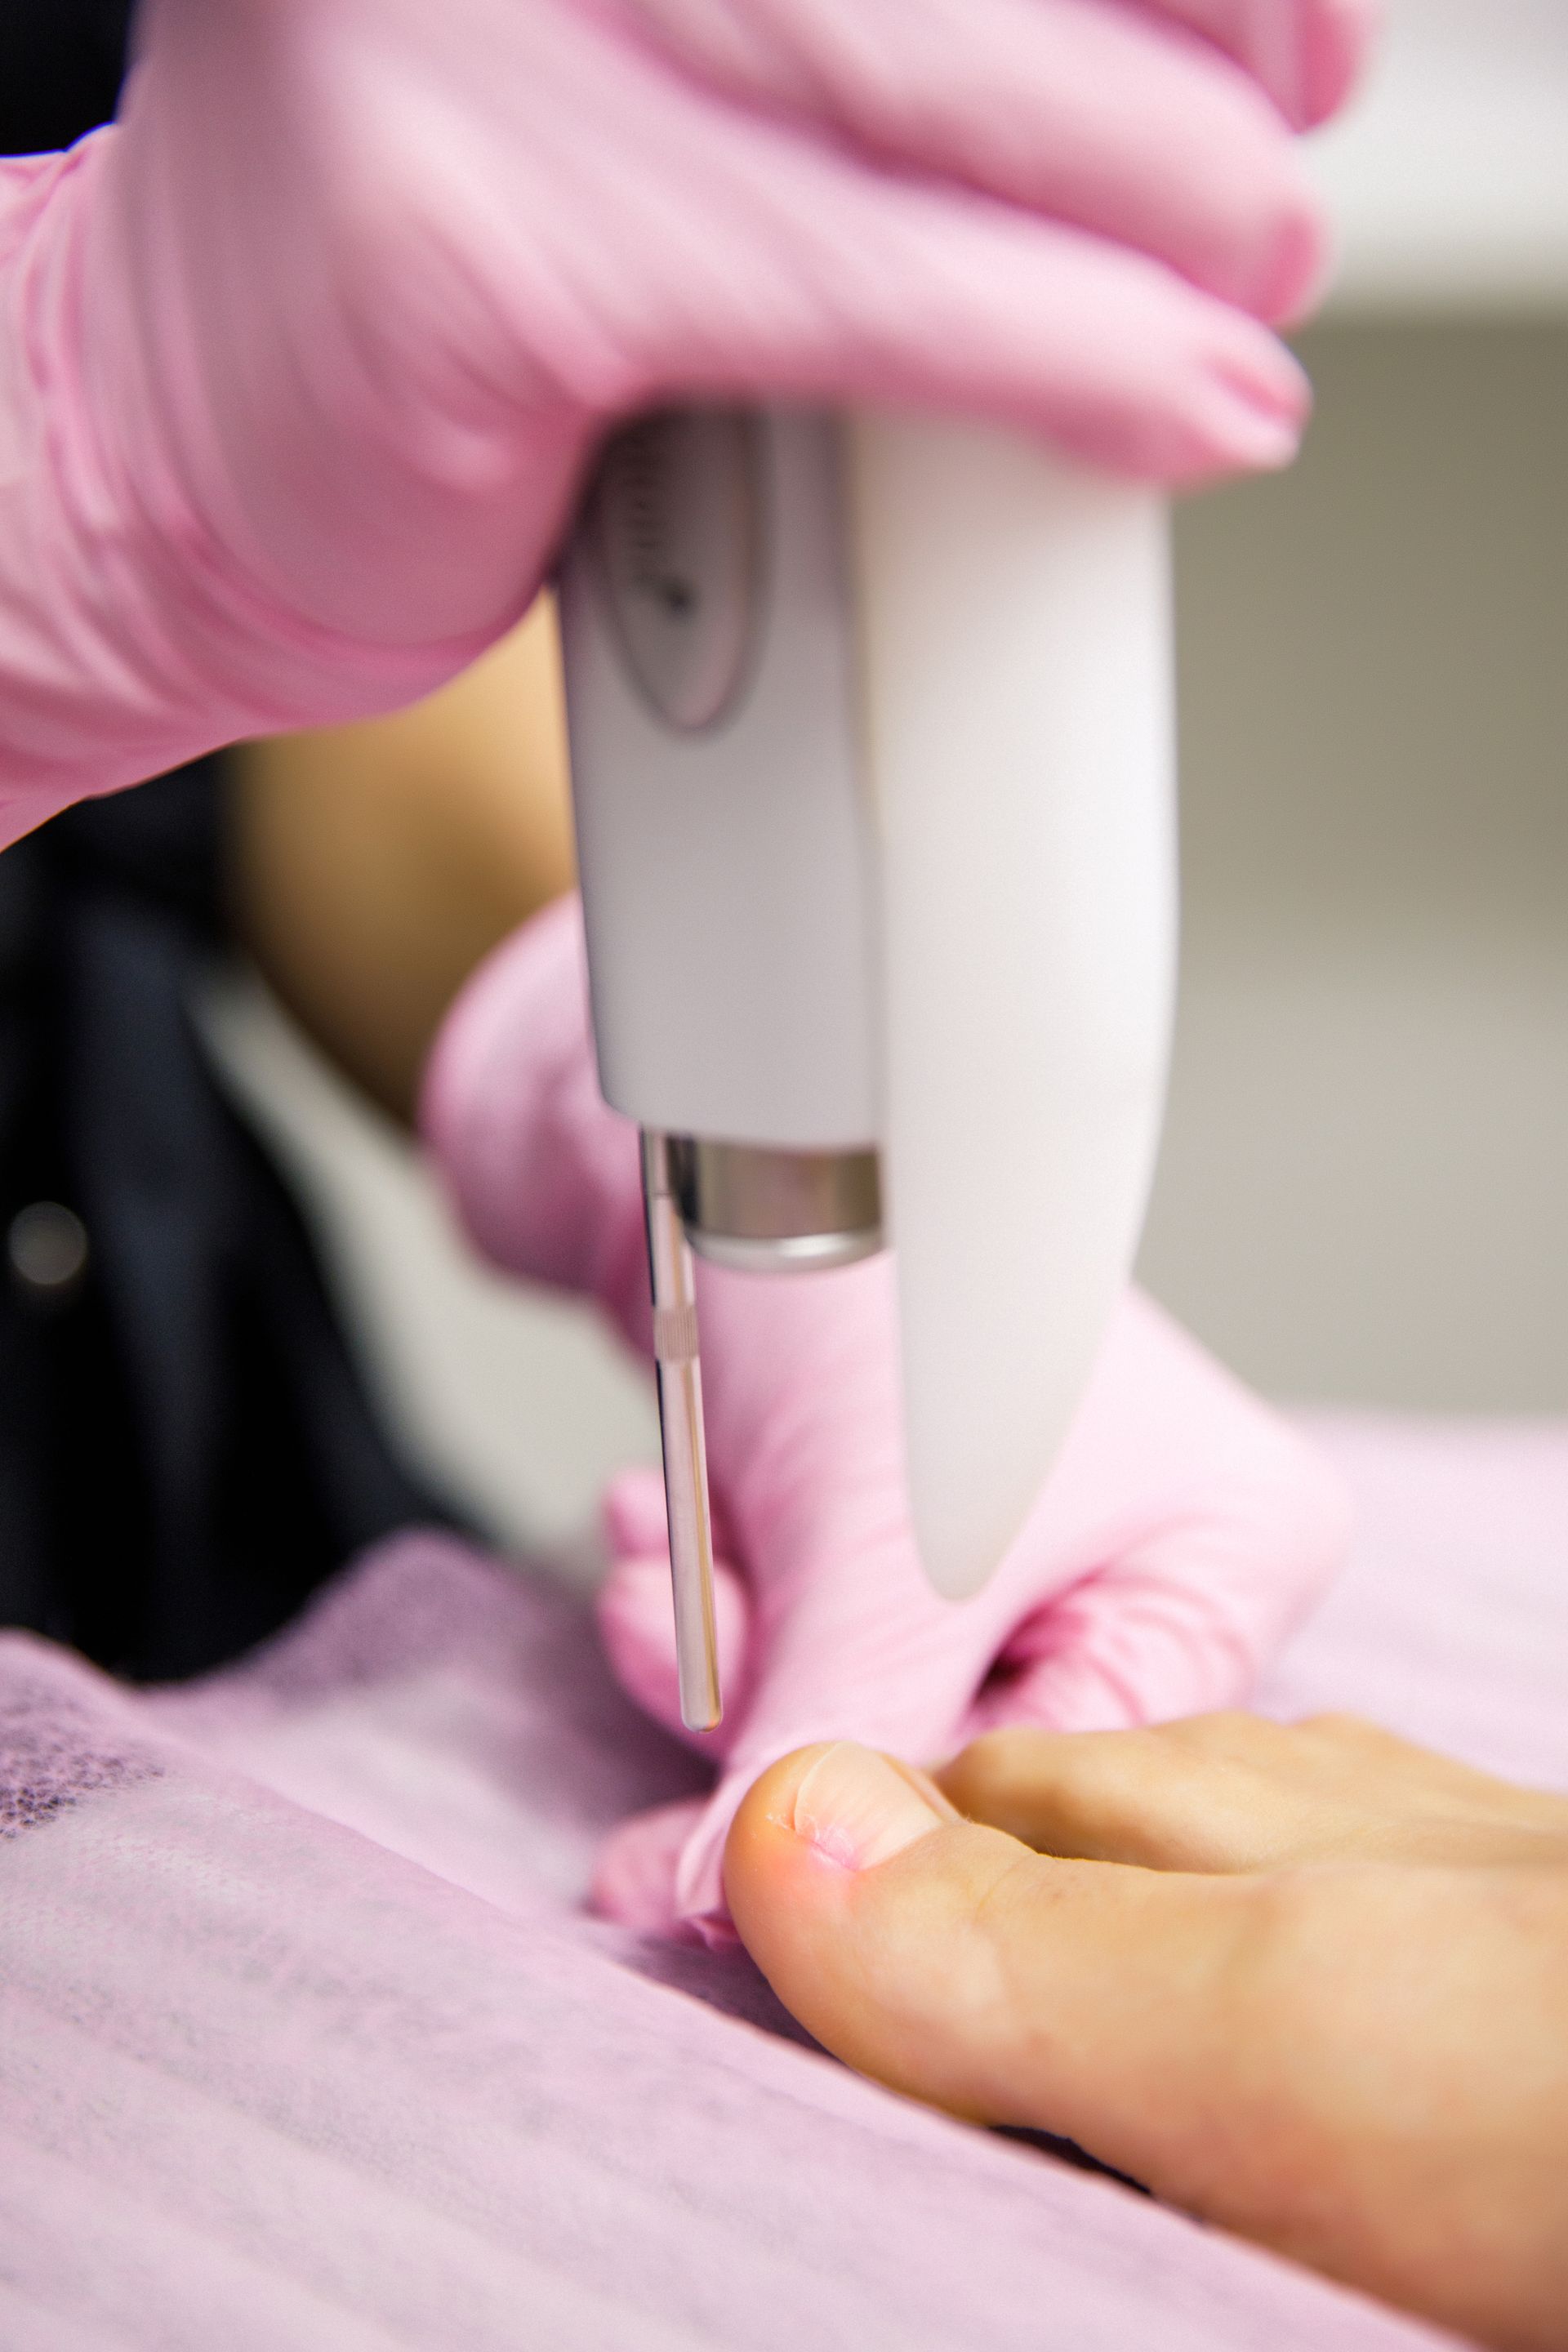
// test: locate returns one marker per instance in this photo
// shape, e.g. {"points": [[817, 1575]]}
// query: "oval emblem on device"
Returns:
{"points": [[676, 534]]}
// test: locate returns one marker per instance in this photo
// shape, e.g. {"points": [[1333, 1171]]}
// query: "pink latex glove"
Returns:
{"points": [[1181, 1536], [301, 363]]}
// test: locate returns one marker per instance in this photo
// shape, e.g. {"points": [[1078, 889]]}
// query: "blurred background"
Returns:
{"points": [[1362, 1187], [1365, 1181]]}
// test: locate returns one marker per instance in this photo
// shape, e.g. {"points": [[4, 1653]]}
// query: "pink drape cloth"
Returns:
{"points": [[306, 2040]]}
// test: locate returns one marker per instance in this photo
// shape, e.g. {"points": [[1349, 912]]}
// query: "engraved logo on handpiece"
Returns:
{"points": [[676, 535]]}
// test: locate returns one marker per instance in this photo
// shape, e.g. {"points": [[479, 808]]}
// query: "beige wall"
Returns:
{"points": [[1363, 1193]]}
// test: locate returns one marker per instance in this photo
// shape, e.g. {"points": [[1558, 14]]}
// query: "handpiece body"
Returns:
{"points": [[871, 730]]}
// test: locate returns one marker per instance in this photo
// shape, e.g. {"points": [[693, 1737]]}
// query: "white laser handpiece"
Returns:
{"points": [[871, 736]]}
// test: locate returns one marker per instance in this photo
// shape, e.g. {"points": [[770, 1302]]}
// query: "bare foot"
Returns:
{"points": [[1309, 1983]]}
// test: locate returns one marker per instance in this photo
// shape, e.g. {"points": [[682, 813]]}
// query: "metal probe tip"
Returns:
{"points": [[680, 1375]]}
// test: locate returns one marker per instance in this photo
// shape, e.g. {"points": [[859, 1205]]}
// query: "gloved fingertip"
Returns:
{"points": [[635, 1617], [1253, 439], [700, 1896], [634, 1516], [633, 1513], [1301, 263], [1334, 52], [637, 1626], [1307, 56], [1247, 404], [714, 1930], [634, 1877]]}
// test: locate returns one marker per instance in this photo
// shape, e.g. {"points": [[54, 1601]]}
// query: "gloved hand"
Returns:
{"points": [[1182, 1535], [301, 362]]}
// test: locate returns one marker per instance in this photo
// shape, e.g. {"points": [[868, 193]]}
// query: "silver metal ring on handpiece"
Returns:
{"points": [[764, 1209]]}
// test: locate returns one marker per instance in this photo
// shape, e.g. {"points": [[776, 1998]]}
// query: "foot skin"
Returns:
{"points": [[1308, 1983]]}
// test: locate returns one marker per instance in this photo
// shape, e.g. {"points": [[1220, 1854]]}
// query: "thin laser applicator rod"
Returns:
{"points": [[680, 1375]]}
